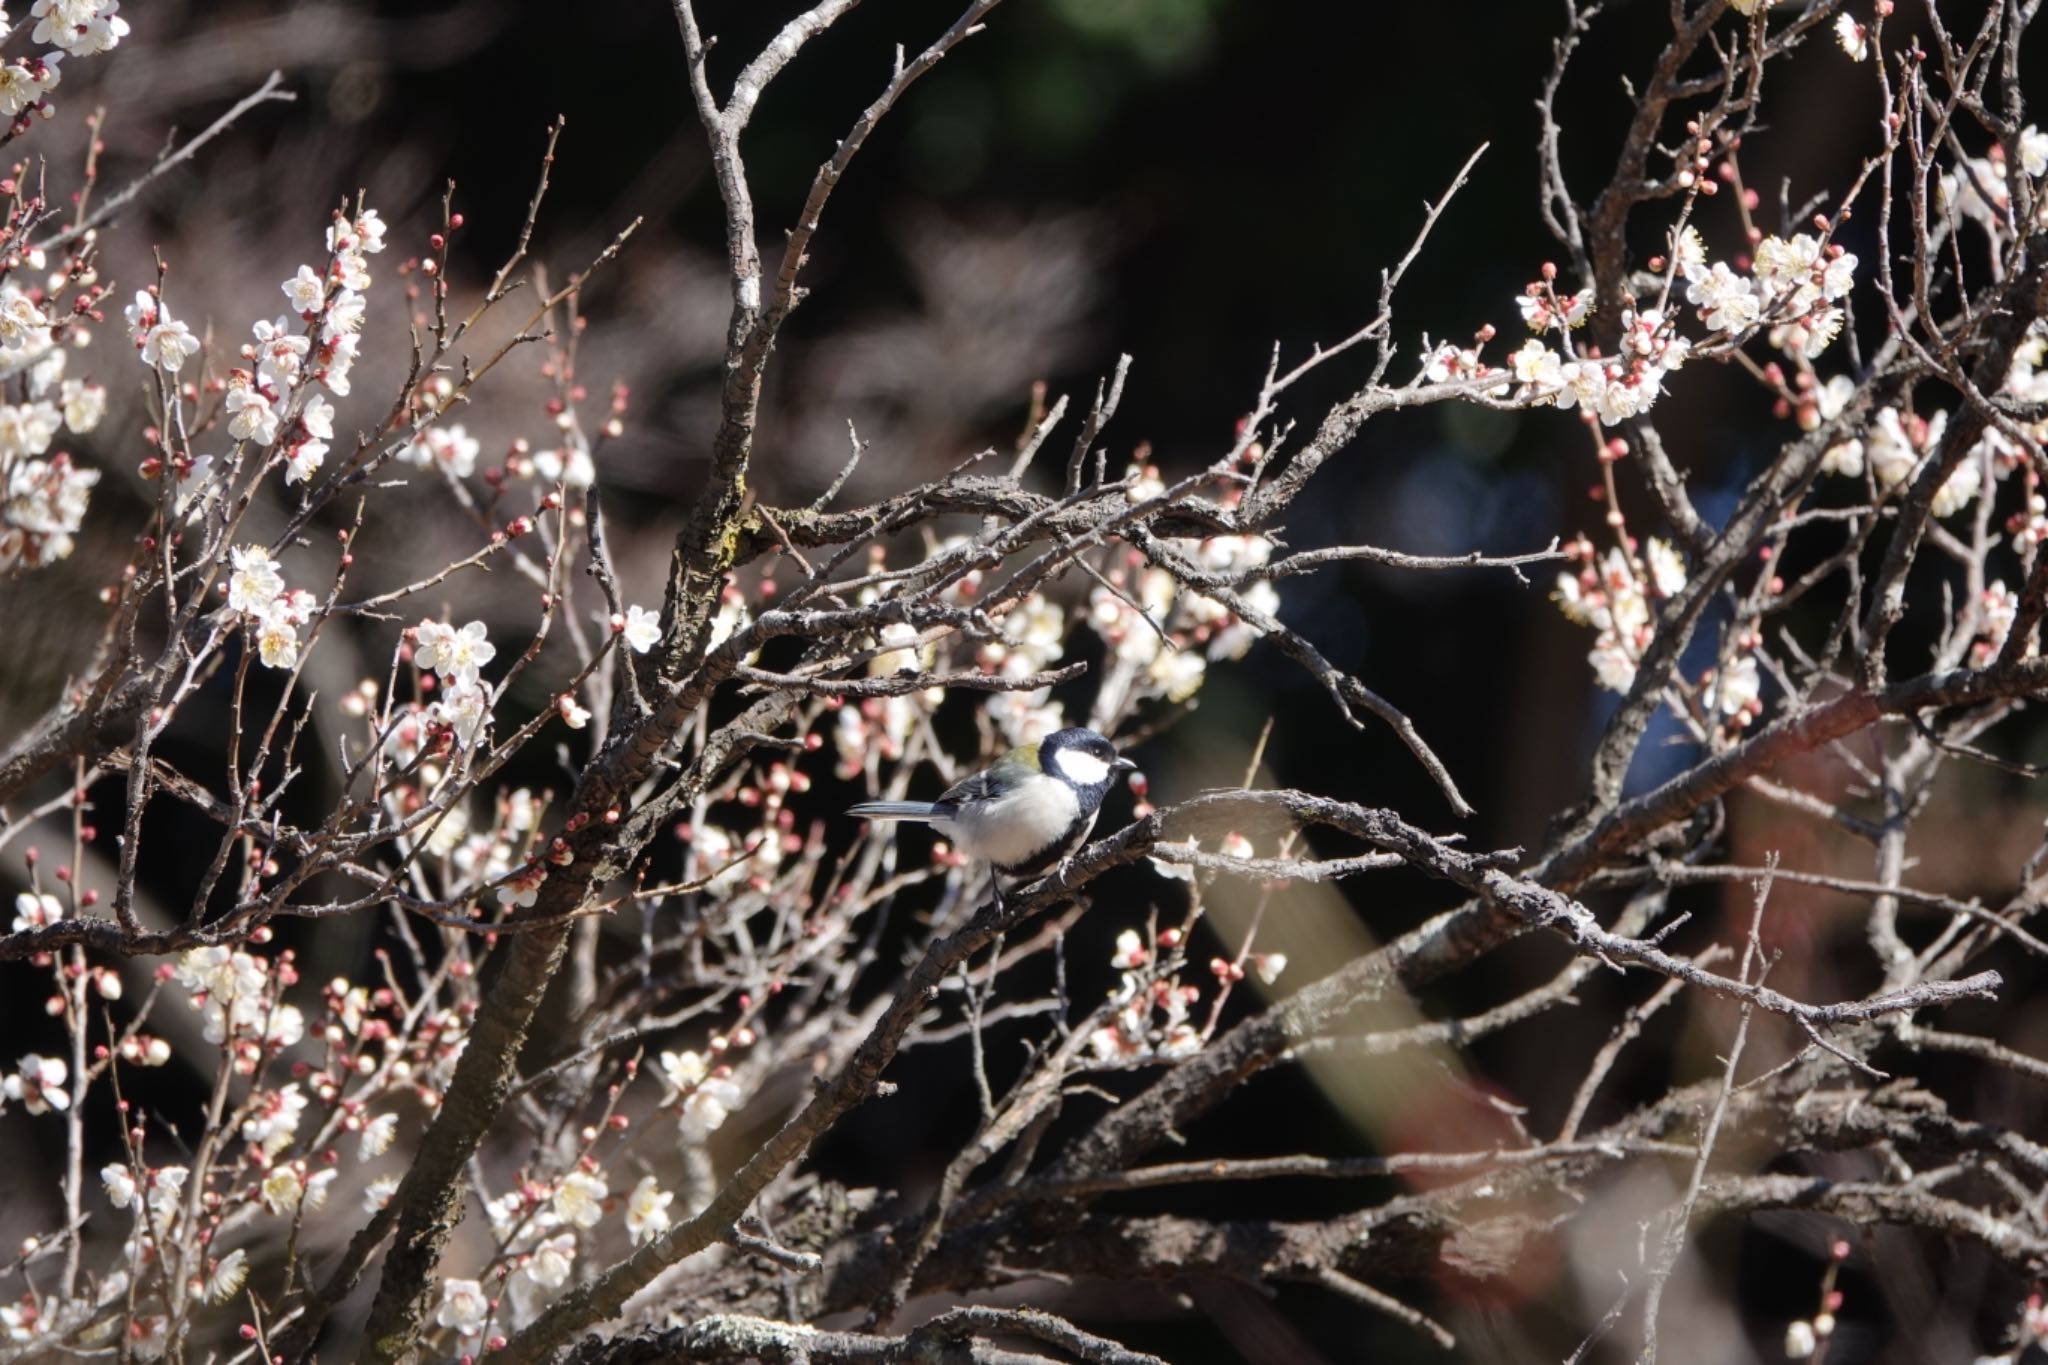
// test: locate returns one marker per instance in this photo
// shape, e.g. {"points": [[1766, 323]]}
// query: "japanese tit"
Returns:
{"points": [[1026, 811]]}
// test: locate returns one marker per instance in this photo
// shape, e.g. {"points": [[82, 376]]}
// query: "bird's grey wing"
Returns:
{"points": [[975, 787], [990, 782]]}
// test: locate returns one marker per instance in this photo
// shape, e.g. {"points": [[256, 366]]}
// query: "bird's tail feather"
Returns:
{"points": [[894, 810]]}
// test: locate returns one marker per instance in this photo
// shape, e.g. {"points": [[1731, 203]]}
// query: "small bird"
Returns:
{"points": [[1025, 812]]}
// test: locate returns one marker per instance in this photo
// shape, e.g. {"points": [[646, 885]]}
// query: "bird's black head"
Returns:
{"points": [[1084, 760]]}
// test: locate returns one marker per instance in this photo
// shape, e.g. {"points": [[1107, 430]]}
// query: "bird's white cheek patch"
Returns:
{"points": [[1086, 769]]}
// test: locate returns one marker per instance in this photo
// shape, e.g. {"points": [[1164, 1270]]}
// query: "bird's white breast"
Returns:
{"points": [[1011, 830]]}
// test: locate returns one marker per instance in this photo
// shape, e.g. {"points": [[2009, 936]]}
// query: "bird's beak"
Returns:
{"points": [[1124, 765]]}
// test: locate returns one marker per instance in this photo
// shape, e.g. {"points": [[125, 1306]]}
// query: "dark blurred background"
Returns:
{"points": [[1188, 181]]}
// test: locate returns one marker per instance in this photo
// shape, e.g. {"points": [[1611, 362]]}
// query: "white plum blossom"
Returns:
{"points": [[282, 1191], [277, 639], [456, 655], [2001, 608], [45, 502], [549, 1265], [1448, 362], [317, 417], [1735, 688], [1539, 315], [1538, 365], [2033, 151], [24, 328], [1612, 667], [1727, 302], [572, 468], [162, 340], [83, 403], [344, 313], [1838, 276], [306, 291], [28, 428], [642, 629], [1667, 568], [1897, 442], [253, 580], [465, 708], [681, 1072], [350, 242], [253, 417], [82, 28], [647, 1210], [542, 1271], [20, 1323], [337, 356], [1844, 458], [271, 1128], [119, 1183], [33, 910], [1786, 263], [1958, 490], [166, 1194], [453, 448], [1177, 673], [365, 233], [280, 353], [377, 1137], [522, 889], [378, 1193], [304, 459], [464, 1307], [230, 986], [227, 1277], [1853, 37], [24, 82], [713, 1103], [38, 1084], [579, 1199]]}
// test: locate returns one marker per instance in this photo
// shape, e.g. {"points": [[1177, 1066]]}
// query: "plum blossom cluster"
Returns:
{"points": [[1979, 189], [1034, 639], [304, 1106], [82, 28], [702, 1093], [541, 1226], [452, 711], [1616, 595], [70, 28], [270, 400], [1619, 594], [451, 448], [542, 1223], [463, 709], [239, 996], [1898, 442], [1162, 635], [43, 495], [1149, 1012], [1793, 286], [37, 1084], [1149, 1015], [1611, 389], [45, 504], [256, 591]]}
